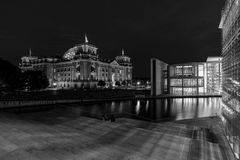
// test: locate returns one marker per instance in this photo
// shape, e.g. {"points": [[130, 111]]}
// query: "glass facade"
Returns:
{"points": [[230, 25], [200, 70], [187, 79], [192, 78], [196, 77], [214, 75], [190, 82], [176, 82]]}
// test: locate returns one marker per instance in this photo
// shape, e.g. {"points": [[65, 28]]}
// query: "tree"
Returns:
{"points": [[117, 83], [34, 80], [124, 83], [10, 75], [101, 83], [13, 78]]}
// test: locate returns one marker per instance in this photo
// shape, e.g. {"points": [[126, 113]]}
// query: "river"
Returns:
{"points": [[150, 110]]}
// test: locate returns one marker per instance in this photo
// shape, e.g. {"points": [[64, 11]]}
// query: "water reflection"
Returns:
{"points": [[154, 110]]}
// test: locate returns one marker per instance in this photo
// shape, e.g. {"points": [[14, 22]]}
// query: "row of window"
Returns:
{"points": [[63, 69], [187, 82], [61, 74], [194, 70], [186, 91]]}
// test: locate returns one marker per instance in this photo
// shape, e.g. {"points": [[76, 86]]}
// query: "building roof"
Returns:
{"points": [[214, 59], [187, 63]]}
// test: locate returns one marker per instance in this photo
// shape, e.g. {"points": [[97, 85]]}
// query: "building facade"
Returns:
{"points": [[230, 25], [214, 75], [194, 78], [187, 79], [45, 65], [158, 74], [81, 67]]}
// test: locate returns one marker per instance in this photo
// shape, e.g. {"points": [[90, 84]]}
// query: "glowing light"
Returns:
{"points": [[227, 109], [70, 53], [223, 119], [138, 107], [188, 66], [147, 105], [179, 67], [86, 39], [235, 82], [123, 52]]}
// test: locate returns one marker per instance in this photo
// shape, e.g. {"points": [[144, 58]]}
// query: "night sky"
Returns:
{"points": [[174, 31]]}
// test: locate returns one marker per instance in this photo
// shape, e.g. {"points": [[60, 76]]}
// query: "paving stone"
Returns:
{"points": [[81, 138]]}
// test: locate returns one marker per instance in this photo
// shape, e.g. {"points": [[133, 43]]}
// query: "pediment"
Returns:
{"points": [[114, 63]]}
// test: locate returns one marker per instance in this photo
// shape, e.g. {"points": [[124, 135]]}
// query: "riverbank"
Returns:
{"points": [[41, 98], [72, 94], [94, 95], [43, 136], [53, 98], [178, 96]]}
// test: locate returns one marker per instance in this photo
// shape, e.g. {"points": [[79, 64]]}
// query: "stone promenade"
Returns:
{"points": [[43, 136]]}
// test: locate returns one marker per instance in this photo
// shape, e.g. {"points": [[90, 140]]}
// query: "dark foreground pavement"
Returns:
{"points": [[38, 136]]}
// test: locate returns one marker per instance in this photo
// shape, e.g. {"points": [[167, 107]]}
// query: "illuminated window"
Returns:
{"points": [[200, 82], [188, 70], [200, 70], [201, 90], [178, 70], [177, 91], [190, 91], [176, 82], [190, 82]]}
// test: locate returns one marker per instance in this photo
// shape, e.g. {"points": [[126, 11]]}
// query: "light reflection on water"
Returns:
{"points": [[154, 110], [195, 108]]}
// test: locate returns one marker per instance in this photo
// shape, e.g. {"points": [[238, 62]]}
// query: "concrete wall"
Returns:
{"points": [[157, 79]]}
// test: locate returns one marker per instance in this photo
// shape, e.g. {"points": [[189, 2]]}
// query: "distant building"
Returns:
{"points": [[230, 25], [192, 78], [81, 67]]}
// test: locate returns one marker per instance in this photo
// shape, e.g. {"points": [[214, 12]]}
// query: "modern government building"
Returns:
{"points": [[193, 78], [81, 67], [230, 25]]}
